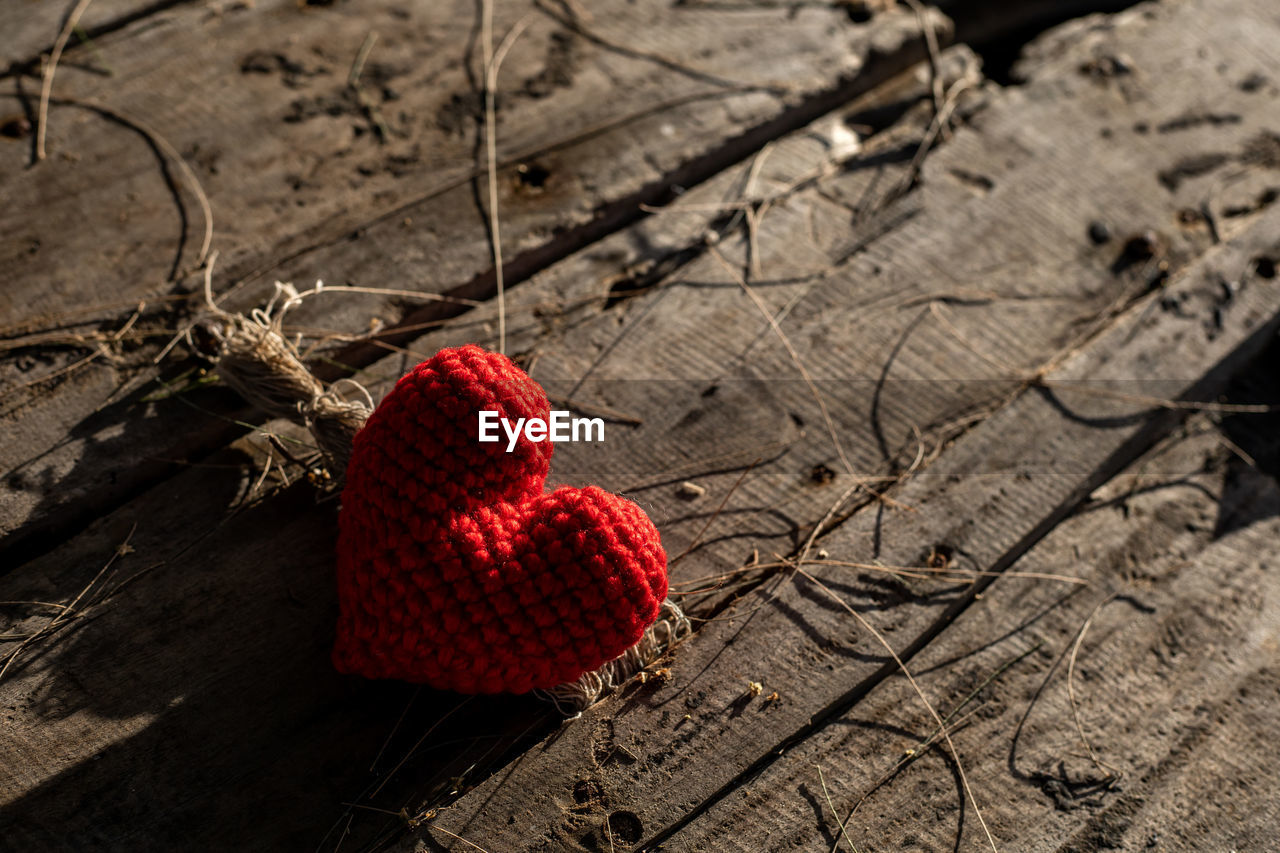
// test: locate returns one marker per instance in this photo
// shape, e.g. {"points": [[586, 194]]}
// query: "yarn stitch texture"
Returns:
{"points": [[455, 568]]}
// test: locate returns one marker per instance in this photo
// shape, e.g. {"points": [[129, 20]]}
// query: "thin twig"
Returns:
{"points": [[691, 71], [75, 365], [470, 844], [924, 745], [963, 576], [791, 350], [353, 81], [321, 287], [1159, 402], [714, 515], [931, 44], [964, 779], [1038, 378], [425, 735], [1071, 690], [209, 303], [940, 119], [492, 62], [69, 610], [394, 729], [834, 814], [46, 83]]}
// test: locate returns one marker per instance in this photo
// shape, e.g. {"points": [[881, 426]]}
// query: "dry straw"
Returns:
{"points": [[252, 355]]}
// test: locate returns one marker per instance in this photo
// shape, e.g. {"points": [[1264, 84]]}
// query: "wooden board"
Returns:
{"points": [[238, 643], [32, 26], [602, 128], [1174, 681], [989, 497], [786, 641]]}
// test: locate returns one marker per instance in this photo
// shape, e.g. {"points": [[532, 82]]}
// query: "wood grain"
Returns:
{"points": [[791, 638], [1174, 683], [301, 188], [31, 26], [208, 674]]}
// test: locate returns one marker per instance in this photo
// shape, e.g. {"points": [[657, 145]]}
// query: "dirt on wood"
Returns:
{"points": [[944, 371]]}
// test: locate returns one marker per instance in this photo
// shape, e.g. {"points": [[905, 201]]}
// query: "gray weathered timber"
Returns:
{"points": [[229, 697], [1175, 684], [990, 496], [32, 26], [1085, 437], [294, 170]]}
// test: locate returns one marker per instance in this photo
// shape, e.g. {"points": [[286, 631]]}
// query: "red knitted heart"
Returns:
{"points": [[456, 570]]}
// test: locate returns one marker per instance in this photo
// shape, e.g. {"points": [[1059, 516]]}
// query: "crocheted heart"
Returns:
{"points": [[456, 570]]}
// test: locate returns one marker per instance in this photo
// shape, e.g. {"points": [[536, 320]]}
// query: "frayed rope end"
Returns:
{"points": [[573, 698], [254, 358]]}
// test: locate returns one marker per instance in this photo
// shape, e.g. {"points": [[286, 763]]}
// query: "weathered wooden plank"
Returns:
{"points": [[1175, 684], [788, 640], [32, 26], [235, 636], [196, 611], [586, 131], [699, 737], [701, 331]]}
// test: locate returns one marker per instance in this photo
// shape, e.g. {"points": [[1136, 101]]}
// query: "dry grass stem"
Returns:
{"points": [[964, 779], [937, 127], [711, 520], [835, 815], [266, 470], [492, 62], [46, 82], [1071, 690], [432, 827], [956, 576], [366, 103], [394, 770], [931, 45], [670, 629], [684, 68], [1159, 402], [425, 296], [391, 734], [920, 749], [795, 356], [105, 346], [69, 611], [597, 410], [1038, 378]]}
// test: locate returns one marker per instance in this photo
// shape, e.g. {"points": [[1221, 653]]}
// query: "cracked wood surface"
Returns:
{"points": [[790, 637], [1175, 683], [646, 322], [164, 702], [303, 186]]}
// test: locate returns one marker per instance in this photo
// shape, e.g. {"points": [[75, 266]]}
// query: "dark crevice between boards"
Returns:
{"points": [[999, 31], [872, 118], [87, 34], [50, 528], [1252, 352], [627, 211]]}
